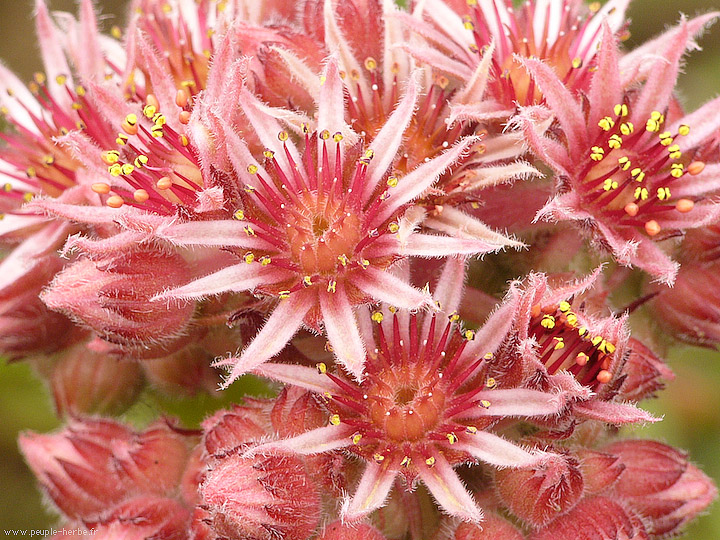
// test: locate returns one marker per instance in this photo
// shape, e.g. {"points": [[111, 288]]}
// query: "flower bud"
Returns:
{"points": [[295, 411], [644, 372], [492, 527], [29, 328], [85, 381], [228, 430], [113, 297], [347, 531], [92, 465], [660, 485], [185, 372], [145, 517], [596, 518], [543, 492], [690, 310], [263, 497], [600, 470]]}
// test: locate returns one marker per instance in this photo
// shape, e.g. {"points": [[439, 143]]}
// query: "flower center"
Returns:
{"points": [[564, 344]]}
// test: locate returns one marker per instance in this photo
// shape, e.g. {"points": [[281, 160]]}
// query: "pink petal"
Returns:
{"points": [[302, 376], [447, 488], [704, 123], [456, 223], [110, 245], [450, 285], [315, 441], [331, 101], [390, 137], [90, 60], [279, 329], [162, 82], [222, 232], [605, 88], [429, 55], [612, 413], [373, 489], [53, 56], [474, 91], [413, 184], [384, 287], [431, 245], [517, 402], [560, 100], [337, 43], [495, 450], [342, 330], [236, 278]]}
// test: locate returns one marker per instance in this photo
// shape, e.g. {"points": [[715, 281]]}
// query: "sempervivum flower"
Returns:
{"points": [[625, 174], [315, 225], [564, 34], [424, 406], [375, 70], [556, 343]]}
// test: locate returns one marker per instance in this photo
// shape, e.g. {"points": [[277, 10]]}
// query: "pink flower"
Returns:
{"points": [[424, 406], [494, 36], [624, 173]]}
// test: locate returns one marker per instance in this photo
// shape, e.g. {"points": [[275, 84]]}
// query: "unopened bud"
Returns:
{"points": [[348, 531], [493, 527]]}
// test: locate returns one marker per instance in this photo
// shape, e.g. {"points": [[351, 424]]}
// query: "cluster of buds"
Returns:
{"points": [[334, 199]]}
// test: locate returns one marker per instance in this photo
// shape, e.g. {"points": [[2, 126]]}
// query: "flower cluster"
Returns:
{"points": [[413, 224]]}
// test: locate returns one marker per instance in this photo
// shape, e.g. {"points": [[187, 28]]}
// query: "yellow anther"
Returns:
{"points": [[663, 193], [264, 260], [620, 109], [252, 169], [335, 419], [370, 63], [559, 343], [323, 78], [127, 168], [610, 184], [491, 382], [472, 3], [484, 403], [442, 81], [377, 316], [7, 187], [596, 153], [452, 438], [269, 154], [468, 25], [582, 331], [283, 295], [606, 123], [677, 170], [321, 368], [157, 132], [61, 79], [30, 172], [356, 438], [594, 7], [624, 163], [305, 128], [405, 461], [140, 161], [343, 259], [571, 319], [393, 227], [249, 230], [597, 340], [283, 136], [149, 110], [159, 119], [430, 462], [116, 32], [577, 63], [675, 152], [471, 430], [652, 125], [581, 359], [27, 197], [684, 129], [337, 137], [364, 263], [369, 153], [454, 317], [110, 157], [609, 347], [638, 174], [307, 281], [131, 119], [615, 141], [469, 335], [239, 215], [331, 286], [626, 128], [657, 116], [121, 139], [378, 457], [324, 134], [564, 306], [641, 193], [115, 170], [392, 181], [249, 257], [40, 78], [548, 321]]}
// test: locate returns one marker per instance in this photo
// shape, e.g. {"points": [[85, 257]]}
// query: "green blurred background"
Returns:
{"points": [[690, 404]]}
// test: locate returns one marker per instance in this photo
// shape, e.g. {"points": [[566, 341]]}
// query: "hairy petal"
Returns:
{"points": [[448, 490], [373, 489], [342, 330]]}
